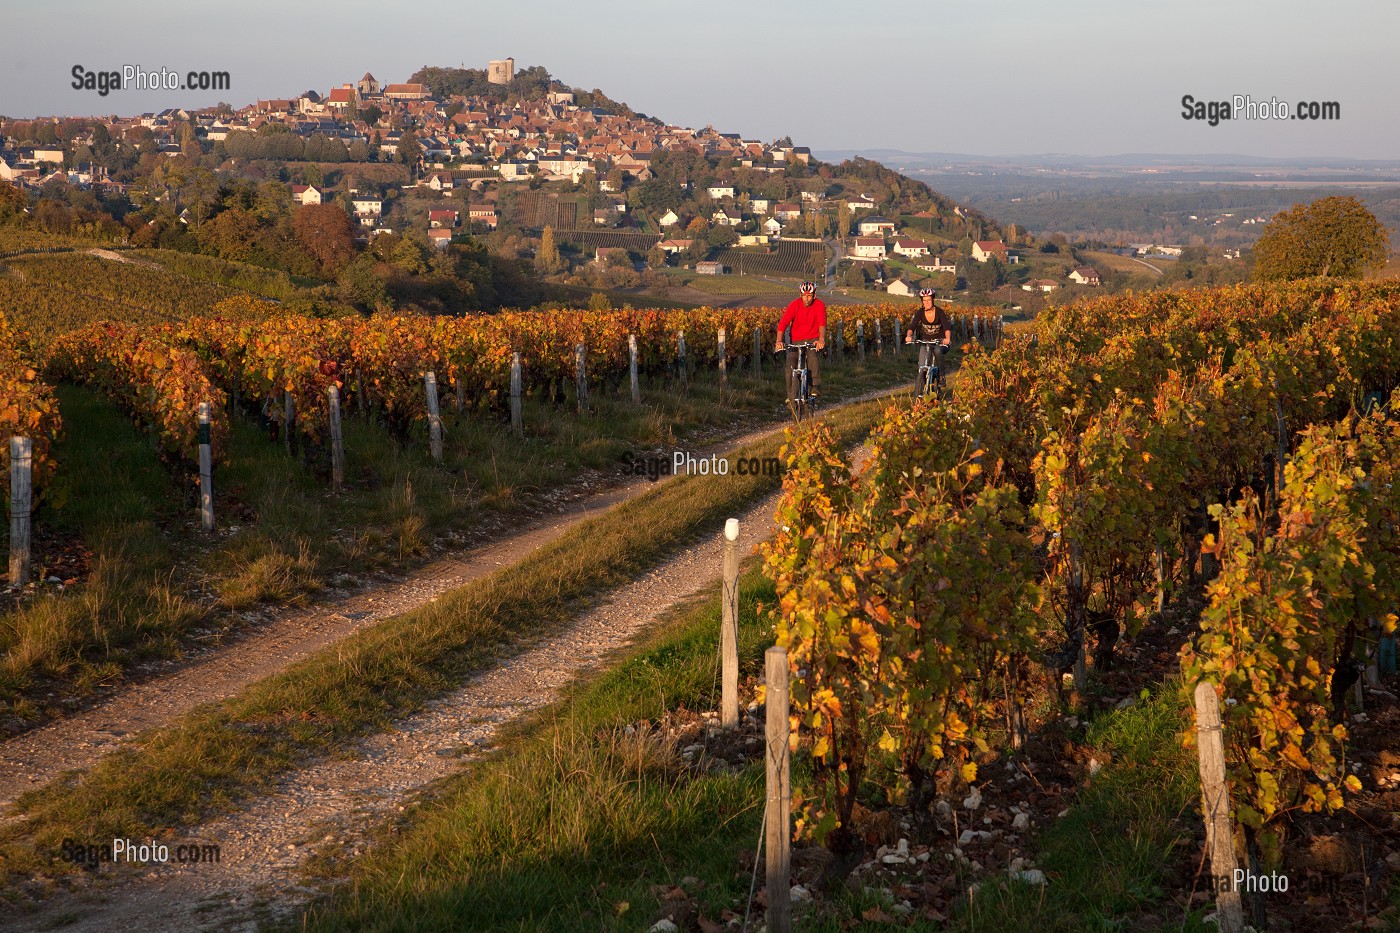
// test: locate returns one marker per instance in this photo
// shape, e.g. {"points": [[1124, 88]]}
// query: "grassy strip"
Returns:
{"points": [[226, 752], [1107, 860], [114, 493], [155, 577], [569, 825]]}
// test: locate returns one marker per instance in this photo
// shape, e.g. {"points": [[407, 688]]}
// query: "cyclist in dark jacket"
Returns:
{"points": [[929, 325]]}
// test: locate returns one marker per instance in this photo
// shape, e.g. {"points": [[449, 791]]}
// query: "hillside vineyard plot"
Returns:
{"points": [[1072, 484], [253, 355]]}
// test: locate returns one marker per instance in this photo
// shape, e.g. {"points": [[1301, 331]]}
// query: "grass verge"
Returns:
{"points": [[570, 824], [226, 752]]}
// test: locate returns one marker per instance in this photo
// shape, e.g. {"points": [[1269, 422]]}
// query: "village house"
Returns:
{"points": [[406, 92], [484, 214], [760, 205], [1042, 285], [717, 192], [876, 226], [908, 246], [605, 253], [772, 226], [902, 287], [675, 246], [1085, 275], [367, 209], [710, 268], [727, 218], [983, 250], [868, 247], [442, 217], [787, 211], [438, 181], [861, 203], [440, 237], [306, 194], [669, 219]]}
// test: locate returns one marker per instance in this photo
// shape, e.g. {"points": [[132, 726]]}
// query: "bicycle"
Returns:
{"points": [[930, 379], [800, 401]]}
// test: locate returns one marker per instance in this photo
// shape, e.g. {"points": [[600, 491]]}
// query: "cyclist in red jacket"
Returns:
{"points": [[807, 317]]}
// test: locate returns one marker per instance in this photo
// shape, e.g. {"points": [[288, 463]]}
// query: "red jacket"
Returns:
{"points": [[806, 320]]}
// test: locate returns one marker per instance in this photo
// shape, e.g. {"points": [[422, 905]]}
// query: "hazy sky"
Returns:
{"points": [[1093, 77]]}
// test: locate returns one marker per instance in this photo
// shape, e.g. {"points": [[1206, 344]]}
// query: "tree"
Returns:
{"points": [[327, 233], [1332, 236], [410, 151], [547, 258]]}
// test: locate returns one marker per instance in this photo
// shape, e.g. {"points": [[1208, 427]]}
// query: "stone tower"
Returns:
{"points": [[501, 72]]}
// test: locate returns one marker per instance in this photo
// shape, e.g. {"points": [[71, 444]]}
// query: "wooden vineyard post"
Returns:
{"points": [[206, 470], [21, 502], [581, 376], [898, 335], [434, 418], [459, 387], [757, 351], [1215, 807], [977, 327], [840, 340], [516, 424], [632, 369], [680, 352], [289, 419], [1161, 557], [777, 833], [723, 362], [860, 339], [879, 338], [729, 628], [337, 439]]}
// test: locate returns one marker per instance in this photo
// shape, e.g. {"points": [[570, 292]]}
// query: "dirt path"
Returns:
{"points": [[77, 742], [339, 802]]}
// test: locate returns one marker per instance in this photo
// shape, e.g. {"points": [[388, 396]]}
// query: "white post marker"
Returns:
{"points": [[632, 368], [434, 418], [206, 469], [777, 839], [1215, 807], [516, 423], [723, 361], [21, 502], [337, 439], [680, 351], [729, 628]]}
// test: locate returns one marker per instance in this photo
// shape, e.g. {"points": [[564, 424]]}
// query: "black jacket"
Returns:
{"points": [[921, 329]]}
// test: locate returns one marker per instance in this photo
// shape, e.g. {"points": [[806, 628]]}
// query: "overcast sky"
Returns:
{"points": [[1092, 77]]}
